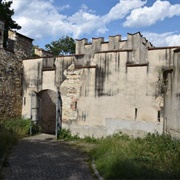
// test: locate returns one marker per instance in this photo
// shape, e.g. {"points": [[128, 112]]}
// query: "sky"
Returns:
{"points": [[48, 20]]}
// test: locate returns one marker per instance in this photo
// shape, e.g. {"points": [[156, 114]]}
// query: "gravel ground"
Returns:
{"points": [[41, 157]]}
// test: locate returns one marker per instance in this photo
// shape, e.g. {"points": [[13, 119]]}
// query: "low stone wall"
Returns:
{"points": [[132, 128]]}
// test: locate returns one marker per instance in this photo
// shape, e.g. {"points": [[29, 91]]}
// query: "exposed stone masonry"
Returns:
{"points": [[11, 77], [10, 85]]}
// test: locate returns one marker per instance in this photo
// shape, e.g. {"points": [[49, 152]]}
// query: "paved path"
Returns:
{"points": [[43, 158]]}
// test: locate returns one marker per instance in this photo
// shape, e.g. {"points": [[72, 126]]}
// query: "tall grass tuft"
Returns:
{"points": [[154, 157], [18, 126]]}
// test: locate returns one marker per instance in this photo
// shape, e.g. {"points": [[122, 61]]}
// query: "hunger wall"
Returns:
{"points": [[11, 74]]}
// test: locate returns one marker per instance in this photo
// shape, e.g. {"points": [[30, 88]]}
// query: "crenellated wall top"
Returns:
{"points": [[133, 41]]}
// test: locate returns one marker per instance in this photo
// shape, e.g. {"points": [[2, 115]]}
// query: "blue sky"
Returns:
{"points": [[48, 20]]}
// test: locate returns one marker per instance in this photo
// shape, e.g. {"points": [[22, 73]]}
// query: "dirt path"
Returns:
{"points": [[41, 157]]}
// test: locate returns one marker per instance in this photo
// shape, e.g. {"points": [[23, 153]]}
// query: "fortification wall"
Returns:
{"points": [[111, 95], [108, 87], [172, 97], [11, 76], [41, 52], [42, 74], [135, 42], [10, 85], [19, 44]]}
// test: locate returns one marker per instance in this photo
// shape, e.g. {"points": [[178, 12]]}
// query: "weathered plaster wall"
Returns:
{"points": [[111, 93], [115, 86], [109, 86], [172, 97], [45, 73], [41, 52], [32, 81]]}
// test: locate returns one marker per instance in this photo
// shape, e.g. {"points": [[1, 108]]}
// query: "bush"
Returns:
{"points": [[18, 126], [66, 135]]}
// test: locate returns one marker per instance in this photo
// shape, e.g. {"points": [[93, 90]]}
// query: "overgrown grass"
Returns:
{"points": [[121, 157], [66, 135], [154, 157]]}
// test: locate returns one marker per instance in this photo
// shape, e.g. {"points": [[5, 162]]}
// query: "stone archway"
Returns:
{"points": [[47, 111]]}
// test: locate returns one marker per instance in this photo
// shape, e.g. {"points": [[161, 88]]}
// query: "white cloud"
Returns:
{"points": [[121, 9], [63, 7], [40, 18], [164, 39], [37, 17], [146, 16]]}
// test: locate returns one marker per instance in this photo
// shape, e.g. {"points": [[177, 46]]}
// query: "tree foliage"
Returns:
{"points": [[65, 45], [6, 14]]}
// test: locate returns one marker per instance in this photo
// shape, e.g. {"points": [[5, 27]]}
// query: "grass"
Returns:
{"points": [[154, 157], [121, 157], [116, 157]]}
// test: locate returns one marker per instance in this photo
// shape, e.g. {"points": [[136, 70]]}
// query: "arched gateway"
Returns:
{"points": [[46, 110]]}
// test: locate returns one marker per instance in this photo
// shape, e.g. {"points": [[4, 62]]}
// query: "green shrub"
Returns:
{"points": [[18, 126], [66, 135], [36, 129], [21, 126]]}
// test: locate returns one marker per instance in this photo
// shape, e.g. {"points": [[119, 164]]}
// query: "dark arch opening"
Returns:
{"points": [[47, 111]]}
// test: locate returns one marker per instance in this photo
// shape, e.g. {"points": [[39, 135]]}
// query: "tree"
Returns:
{"points": [[65, 45], [6, 14]]}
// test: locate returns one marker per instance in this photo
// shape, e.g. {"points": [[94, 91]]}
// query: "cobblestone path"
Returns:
{"points": [[43, 158]]}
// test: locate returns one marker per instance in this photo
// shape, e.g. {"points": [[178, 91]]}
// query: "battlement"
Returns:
{"points": [[133, 41]]}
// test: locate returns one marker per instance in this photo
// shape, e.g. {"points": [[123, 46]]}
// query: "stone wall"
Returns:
{"points": [[19, 44], [11, 76], [10, 85]]}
